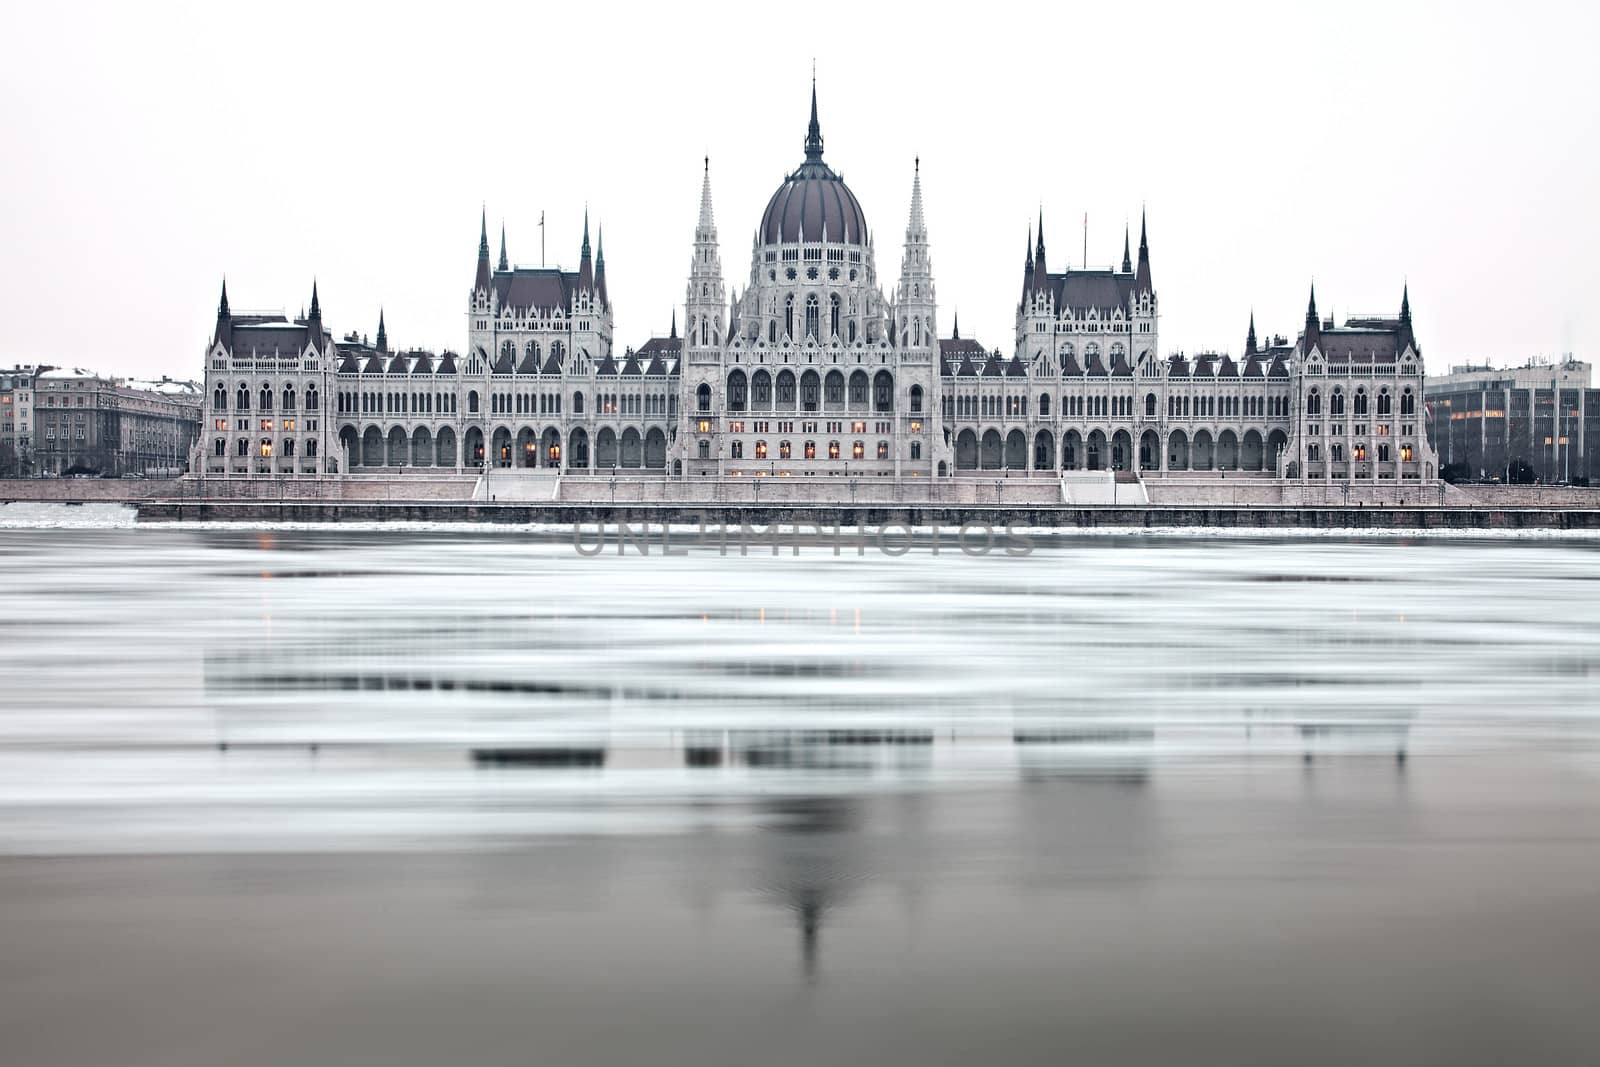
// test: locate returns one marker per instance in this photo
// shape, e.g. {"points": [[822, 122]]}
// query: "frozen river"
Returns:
{"points": [[368, 796]]}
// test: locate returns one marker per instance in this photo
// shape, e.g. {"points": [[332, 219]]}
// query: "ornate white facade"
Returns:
{"points": [[814, 370]]}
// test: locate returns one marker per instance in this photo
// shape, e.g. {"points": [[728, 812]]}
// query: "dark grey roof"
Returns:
{"points": [[1015, 369], [1071, 367], [1359, 345], [1081, 290], [665, 348], [992, 369], [1177, 367], [535, 287]]}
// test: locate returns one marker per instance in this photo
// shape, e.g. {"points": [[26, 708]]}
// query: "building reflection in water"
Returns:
{"points": [[810, 862]]}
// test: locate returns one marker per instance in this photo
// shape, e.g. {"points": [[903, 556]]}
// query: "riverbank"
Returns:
{"points": [[877, 515]]}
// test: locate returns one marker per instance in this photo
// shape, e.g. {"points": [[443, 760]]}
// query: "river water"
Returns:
{"points": [[459, 796]]}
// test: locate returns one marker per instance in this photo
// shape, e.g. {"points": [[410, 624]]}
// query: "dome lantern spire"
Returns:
{"points": [[814, 131]]}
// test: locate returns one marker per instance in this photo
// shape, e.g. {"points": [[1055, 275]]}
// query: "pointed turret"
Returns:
{"points": [[224, 316], [482, 281], [673, 336], [706, 228], [1250, 348], [1405, 338], [1313, 331], [1027, 265], [504, 263], [1142, 278], [814, 131], [314, 331], [600, 267], [1040, 281], [1127, 260], [585, 259], [955, 327], [383, 335]]}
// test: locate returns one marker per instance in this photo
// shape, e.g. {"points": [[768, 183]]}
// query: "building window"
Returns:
{"points": [[833, 449], [761, 450], [784, 451], [858, 450], [883, 449], [811, 450]]}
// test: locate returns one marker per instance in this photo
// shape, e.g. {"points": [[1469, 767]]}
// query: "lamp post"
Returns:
{"points": [[612, 481]]}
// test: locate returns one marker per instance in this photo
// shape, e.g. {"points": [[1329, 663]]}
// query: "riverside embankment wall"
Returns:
{"points": [[880, 515]]}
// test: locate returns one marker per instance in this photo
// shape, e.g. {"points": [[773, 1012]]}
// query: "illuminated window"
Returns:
{"points": [[761, 450], [883, 449], [811, 450], [705, 425], [916, 425], [266, 447], [833, 449], [858, 427], [1405, 453], [858, 450], [784, 450]]}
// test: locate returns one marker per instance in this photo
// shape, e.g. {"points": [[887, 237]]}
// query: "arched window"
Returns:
{"points": [[243, 399], [788, 315], [1385, 403], [772, 331], [784, 450], [1408, 403], [577, 403], [833, 316], [219, 398], [288, 398], [1314, 403], [883, 449], [916, 399], [311, 448], [811, 450], [1044, 405], [1336, 403], [761, 450], [813, 327], [702, 397], [311, 398], [266, 398], [852, 331], [858, 450], [833, 449], [288, 447], [244, 446], [1150, 405], [1361, 401], [221, 447], [736, 450], [472, 402]]}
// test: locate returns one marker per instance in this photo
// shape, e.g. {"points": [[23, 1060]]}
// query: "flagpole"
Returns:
{"points": [[541, 240]]}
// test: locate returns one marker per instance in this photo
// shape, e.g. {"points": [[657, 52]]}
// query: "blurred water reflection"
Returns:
{"points": [[943, 788]]}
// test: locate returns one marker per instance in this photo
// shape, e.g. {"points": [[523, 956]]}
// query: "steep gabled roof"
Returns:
{"points": [[545, 289]]}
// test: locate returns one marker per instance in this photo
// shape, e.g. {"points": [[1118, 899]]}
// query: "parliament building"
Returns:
{"points": [[813, 367]]}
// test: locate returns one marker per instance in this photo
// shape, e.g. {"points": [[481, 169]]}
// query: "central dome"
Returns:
{"points": [[814, 204]]}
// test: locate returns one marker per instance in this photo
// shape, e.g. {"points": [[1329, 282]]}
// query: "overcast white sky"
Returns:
{"points": [[151, 148]]}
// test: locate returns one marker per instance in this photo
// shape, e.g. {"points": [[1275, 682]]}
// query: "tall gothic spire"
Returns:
{"points": [[674, 334], [1142, 280], [955, 327], [224, 318], [1039, 268], [585, 261], [1027, 264], [222, 308], [504, 264], [383, 335], [706, 228], [1127, 260], [814, 131], [600, 266], [482, 280], [316, 307], [1405, 304], [916, 228], [1250, 348], [1313, 330], [1404, 338]]}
